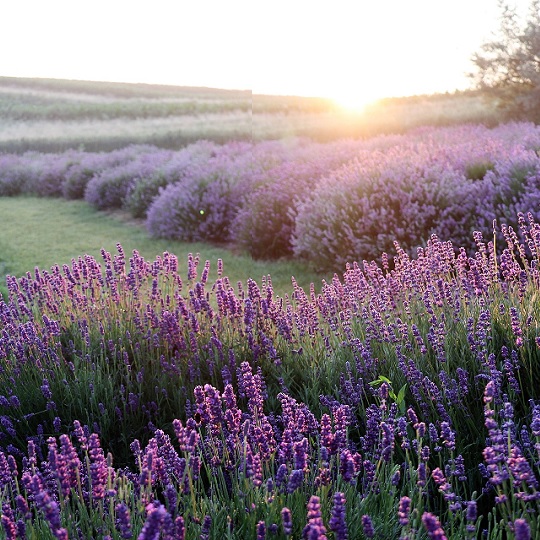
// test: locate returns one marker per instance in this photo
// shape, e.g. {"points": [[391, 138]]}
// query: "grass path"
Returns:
{"points": [[43, 232]]}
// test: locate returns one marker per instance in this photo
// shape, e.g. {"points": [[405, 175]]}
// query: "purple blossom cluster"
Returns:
{"points": [[271, 457], [248, 451]]}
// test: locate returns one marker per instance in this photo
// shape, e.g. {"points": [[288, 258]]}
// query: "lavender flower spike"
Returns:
{"points": [[286, 520], [315, 529], [261, 530], [9, 527], [367, 525], [152, 526], [433, 527], [404, 511], [338, 522], [522, 530]]}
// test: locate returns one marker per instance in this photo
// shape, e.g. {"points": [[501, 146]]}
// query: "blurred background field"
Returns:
{"points": [[51, 115]]}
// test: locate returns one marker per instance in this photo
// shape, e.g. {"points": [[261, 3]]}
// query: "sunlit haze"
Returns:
{"points": [[352, 51]]}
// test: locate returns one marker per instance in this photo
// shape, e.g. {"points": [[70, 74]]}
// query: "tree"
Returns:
{"points": [[508, 68]]}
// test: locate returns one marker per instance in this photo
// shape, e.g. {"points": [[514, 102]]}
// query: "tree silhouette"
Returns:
{"points": [[508, 68]]}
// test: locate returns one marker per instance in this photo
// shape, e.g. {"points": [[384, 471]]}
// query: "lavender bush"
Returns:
{"points": [[50, 173], [25, 174], [360, 210], [90, 164], [265, 223], [204, 203], [446, 182], [11, 176], [180, 167], [109, 188]]}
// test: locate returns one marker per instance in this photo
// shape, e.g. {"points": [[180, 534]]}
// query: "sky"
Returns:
{"points": [[354, 51]]}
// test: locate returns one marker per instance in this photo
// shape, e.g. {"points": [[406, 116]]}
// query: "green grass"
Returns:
{"points": [[44, 232]]}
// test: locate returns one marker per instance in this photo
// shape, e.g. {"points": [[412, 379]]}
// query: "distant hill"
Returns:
{"points": [[56, 114]]}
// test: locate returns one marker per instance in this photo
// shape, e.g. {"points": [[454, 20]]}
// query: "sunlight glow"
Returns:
{"points": [[353, 102]]}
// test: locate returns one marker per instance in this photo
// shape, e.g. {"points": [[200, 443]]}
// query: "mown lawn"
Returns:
{"points": [[43, 232]]}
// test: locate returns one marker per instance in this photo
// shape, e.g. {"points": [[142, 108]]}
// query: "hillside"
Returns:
{"points": [[53, 115]]}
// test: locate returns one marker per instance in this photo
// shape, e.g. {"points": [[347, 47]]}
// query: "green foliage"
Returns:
{"points": [[143, 193], [508, 68], [477, 171]]}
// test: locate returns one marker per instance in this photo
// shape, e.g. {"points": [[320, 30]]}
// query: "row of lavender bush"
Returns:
{"points": [[327, 203], [138, 400]]}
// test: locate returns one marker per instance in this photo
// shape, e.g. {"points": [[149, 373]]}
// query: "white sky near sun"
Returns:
{"points": [[353, 50]]}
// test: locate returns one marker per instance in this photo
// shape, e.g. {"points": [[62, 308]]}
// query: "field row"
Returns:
{"points": [[328, 203], [48, 115]]}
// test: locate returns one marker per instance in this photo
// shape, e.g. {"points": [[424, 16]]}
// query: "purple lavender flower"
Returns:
{"points": [[154, 520], [367, 526], [257, 470], [21, 528], [98, 467], [252, 390], [522, 529], [489, 392], [412, 416], [472, 514], [338, 522], [448, 436], [46, 390], [327, 438], [347, 467], [281, 476], [48, 506], [61, 534], [445, 488], [261, 530], [179, 528], [9, 527], [295, 480], [314, 529], [404, 511], [69, 465], [205, 529], [521, 470], [80, 434], [387, 443], [123, 521], [433, 527], [22, 506], [5, 473], [421, 471], [286, 520]]}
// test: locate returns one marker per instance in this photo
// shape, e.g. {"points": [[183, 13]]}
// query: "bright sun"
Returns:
{"points": [[353, 101]]}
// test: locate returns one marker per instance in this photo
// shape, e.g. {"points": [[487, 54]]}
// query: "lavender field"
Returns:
{"points": [[139, 399], [327, 203]]}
